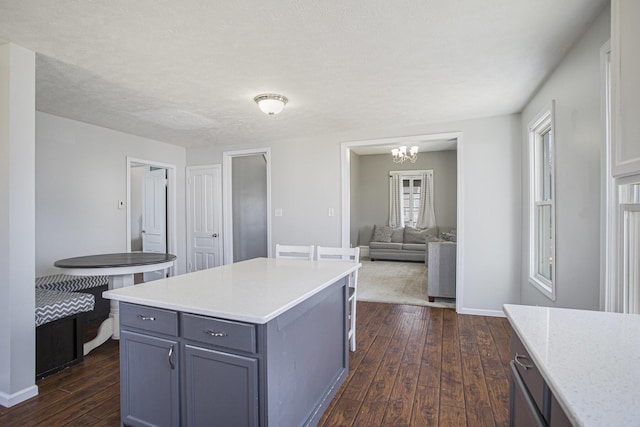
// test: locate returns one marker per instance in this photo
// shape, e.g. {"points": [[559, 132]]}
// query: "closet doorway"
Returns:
{"points": [[247, 204], [151, 210]]}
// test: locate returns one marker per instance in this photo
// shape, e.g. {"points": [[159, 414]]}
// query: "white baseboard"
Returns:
{"points": [[364, 251], [8, 400], [480, 312]]}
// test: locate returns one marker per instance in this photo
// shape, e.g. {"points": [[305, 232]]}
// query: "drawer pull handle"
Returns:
{"points": [[523, 365], [214, 333], [173, 366], [141, 317]]}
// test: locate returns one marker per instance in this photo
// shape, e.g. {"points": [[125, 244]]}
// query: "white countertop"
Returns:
{"points": [[589, 359], [254, 291]]}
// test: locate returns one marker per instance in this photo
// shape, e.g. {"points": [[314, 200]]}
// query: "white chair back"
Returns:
{"points": [[294, 252], [345, 254]]}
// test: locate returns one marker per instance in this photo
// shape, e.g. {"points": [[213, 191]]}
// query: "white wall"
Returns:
{"points": [[17, 224], [575, 85], [306, 183], [81, 174]]}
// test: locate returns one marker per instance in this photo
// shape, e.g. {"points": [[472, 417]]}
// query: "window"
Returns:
{"points": [[410, 199], [542, 203]]}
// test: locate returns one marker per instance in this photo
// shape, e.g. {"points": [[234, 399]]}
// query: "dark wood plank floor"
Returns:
{"points": [[414, 366], [421, 366]]}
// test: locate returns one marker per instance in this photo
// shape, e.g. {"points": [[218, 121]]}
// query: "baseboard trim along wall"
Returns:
{"points": [[8, 400]]}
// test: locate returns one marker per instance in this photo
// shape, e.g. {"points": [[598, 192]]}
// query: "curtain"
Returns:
{"points": [[426, 214], [395, 201]]}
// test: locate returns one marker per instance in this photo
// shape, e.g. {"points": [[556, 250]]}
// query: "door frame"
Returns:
{"points": [[172, 241], [218, 169], [345, 151], [227, 201]]}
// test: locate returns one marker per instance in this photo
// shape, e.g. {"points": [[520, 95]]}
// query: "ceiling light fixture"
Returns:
{"points": [[400, 154], [271, 103]]}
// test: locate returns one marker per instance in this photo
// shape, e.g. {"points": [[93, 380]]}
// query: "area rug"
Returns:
{"points": [[396, 282]]}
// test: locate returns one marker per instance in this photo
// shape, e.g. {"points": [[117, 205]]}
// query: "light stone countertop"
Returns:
{"points": [[589, 359], [254, 291]]}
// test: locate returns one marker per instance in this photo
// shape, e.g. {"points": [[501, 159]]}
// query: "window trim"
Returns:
{"points": [[543, 122]]}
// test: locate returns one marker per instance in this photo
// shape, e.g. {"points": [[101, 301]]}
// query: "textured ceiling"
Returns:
{"points": [[185, 72]]}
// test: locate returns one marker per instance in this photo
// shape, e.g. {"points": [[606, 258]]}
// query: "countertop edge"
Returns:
{"points": [[241, 317]]}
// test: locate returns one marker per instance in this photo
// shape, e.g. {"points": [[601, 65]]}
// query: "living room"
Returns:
{"points": [[78, 176]]}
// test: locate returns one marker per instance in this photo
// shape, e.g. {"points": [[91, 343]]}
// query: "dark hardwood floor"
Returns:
{"points": [[414, 366]]}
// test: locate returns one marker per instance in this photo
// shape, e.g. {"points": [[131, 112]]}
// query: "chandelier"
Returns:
{"points": [[400, 154]]}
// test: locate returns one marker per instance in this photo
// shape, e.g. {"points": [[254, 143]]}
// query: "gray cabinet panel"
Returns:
{"points": [[149, 388], [221, 388]]}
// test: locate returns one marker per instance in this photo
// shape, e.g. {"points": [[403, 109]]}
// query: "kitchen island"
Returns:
{"points": [[575, 367], [260, 342]]}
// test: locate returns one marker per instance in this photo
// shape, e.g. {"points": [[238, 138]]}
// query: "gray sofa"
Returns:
{"points": [[401, 244]]}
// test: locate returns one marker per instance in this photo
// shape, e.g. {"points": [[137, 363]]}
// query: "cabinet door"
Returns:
{"points": [[221, 388], [625, 63], [149, 388], [523, 411]]}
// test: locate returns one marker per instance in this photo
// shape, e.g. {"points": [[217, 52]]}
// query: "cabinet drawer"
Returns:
{"points": [[223, 333], [149, 319], [528, 370]]}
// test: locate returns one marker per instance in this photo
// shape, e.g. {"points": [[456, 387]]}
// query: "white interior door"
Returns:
{"points": [[154, 216], [204, 217]]}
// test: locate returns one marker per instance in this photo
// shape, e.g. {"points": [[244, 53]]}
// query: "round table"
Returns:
{"points": [[120, 268]]}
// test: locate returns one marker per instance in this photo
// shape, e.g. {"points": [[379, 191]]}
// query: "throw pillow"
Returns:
{"points": [[381, 233], [398, 235], [449, 236], [416, 235]]}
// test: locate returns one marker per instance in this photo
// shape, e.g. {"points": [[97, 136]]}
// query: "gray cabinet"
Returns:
{"points": [[180, 368], [532, 401]]}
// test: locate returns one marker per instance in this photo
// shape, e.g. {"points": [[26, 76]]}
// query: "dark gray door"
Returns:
{"points": [[222, 388], [249, 204], [149, 388]]}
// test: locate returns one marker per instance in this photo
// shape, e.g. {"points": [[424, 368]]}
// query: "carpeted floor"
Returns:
{"points": [[396, 282]]}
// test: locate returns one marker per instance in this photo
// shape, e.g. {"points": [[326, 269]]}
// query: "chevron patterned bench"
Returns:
{"points": [[93, 285], [59, 329]]}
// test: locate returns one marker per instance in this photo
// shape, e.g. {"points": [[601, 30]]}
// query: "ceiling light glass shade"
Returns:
{"points": [[400, 154], [271, 103]]}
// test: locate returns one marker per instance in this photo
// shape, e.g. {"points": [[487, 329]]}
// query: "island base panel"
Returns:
{"points": [[307, 358]]}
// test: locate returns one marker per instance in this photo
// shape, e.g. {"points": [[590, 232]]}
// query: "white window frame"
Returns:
{"points": [[410, 175], [544, 122]]}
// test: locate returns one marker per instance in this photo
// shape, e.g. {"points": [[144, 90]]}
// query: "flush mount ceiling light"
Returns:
{"points": [[400, 154], [271, 103]]}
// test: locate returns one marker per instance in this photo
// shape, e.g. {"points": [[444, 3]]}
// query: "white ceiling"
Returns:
{"points": [[185, 72]]}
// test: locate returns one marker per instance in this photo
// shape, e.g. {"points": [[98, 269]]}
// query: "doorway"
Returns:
{"points": [[151, 210], [382, 146], [247, 204]]}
